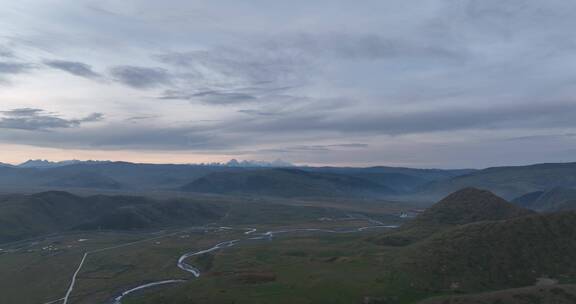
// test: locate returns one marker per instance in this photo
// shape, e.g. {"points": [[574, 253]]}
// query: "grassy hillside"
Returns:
{"points": [[556, 294], [469, 205], [402, 180], [286, 183], [473, 241], [508, 182], [556, 199], [496, 254], [466, 206], [24, 216]]}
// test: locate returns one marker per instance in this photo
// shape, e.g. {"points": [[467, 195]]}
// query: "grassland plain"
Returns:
{"points": [[297, 269], [141, 258], [40, 270]]}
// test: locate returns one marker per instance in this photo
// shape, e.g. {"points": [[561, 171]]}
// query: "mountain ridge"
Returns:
{"points": [[508, 182], [555, 199], [285, 183]]}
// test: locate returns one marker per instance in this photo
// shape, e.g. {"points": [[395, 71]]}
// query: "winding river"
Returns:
{"points": [[251, 236]]}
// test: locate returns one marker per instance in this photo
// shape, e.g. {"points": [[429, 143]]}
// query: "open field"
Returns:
{"points": [[297, 269], [39, 271]]}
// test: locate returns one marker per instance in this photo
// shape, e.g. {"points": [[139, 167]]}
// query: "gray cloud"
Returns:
{"points": [[14, 68], [6, 52], [272, 64], [282, 76], [254, 112], [360, 46], [542, 137], [141, 77], [534, 115], [353, 145], [123, 136], [232, 75], [235, 65], [92, 118], [10, 69], [39, 120], [141, 117], [212, 97], [73, 67], [300, 149], [22, 112]]}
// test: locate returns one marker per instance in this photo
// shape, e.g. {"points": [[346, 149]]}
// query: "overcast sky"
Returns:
{"points": [[428, 83]]}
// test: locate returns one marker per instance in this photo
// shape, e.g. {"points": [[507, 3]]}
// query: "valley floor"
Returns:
{"points": [[40, 271]]}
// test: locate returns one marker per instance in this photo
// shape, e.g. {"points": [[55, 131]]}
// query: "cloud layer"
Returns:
{"points": [[39, 120], [75, 68], [317, 82]]}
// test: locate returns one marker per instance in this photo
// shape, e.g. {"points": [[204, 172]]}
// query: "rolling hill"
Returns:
{"points": [[105, 175], [466, 206], [402, 180], [469, 205], [556, 199], [493, 255], [475, 242], [86, 179], [507, 182], [287, 183], [24, 216], [127, 176]]}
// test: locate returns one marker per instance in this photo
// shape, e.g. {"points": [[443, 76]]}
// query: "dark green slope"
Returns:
{"points": [[473, 242], [556, 199], [527, 199], [286, 183], [496, 254], [555, 294], [466, 206], [402, 180], [469, 205], [24, 216]]}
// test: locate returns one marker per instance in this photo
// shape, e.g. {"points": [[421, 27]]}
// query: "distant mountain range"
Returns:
{"points": [[221, 179], [42, 163], [281, 179], [256, 163], [287, 183]]}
